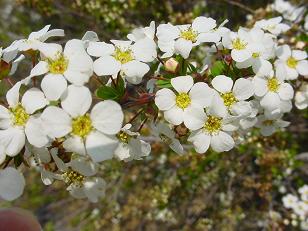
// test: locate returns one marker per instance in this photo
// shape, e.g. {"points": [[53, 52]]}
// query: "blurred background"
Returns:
{"points": [[238, 190]]}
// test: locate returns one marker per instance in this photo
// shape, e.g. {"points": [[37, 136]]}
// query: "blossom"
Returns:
{"points": [[269, 125], [290, 63], [239, 43], [72, 64], [212, 129], [36, 39], [163, 132], [272, 90], [141, 33], [234, 96], [86, 133], [18, 122], [301, 97], [182, 38], [304, 192], [131, 146], [289, 201], [123, 56], [180, 106], [273, 25], [12, 184]]}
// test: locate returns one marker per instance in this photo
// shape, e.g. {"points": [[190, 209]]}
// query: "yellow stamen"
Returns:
{"points": [[256, 55], [123, 137], [82, 126], [20, 116], [58, 66], [229, 99], [183, 100], [292, 62], [238, 44], [267, 122], [123, 56], [273, 84], [73, 177], [213, 125], [189, 34]]}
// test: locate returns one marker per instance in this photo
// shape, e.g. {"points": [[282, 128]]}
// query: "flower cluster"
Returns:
{"points": [[79, 104]]}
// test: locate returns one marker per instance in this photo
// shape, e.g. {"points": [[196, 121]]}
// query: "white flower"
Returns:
{"points": [[163, 131], [9, 56], [12, 184], [182, 38], [301, 208], [87, 133], [141, 33], [263, 48], [124, 56], [289, 201], [212, 129], [272, 90], [18, 122], [301, 97], [268, 126], [304, 192], [36, 39], [290, 64], [234, 96], [180, 107], [273, 25], [73, 64], [131, 147], [239, 43]]}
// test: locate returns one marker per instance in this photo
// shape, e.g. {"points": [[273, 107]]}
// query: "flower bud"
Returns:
{"points": [[171, 65]]}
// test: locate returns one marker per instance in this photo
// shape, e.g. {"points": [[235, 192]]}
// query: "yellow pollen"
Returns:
{"points": [[182, 100], [267, 122], [229, 99], [273, 84], [292, 62], [82, 126], [256, 55], [123, 137], [73, 177], [213, 125], [238, 44], [20, 115], [123, 56], [189, 34], [58, 66]]}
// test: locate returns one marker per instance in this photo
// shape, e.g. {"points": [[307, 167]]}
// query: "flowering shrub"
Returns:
{"points": [[78, 105]]}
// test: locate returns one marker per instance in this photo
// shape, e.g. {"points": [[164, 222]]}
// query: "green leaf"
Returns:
{"points": [[164, 83], [218, 68], [106, 92]]}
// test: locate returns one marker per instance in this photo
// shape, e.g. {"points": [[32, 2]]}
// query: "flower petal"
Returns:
{"points": [[35, 133], [260, 86], [99, 49], [75, 144], [203, 24], [243, 89], [183, 47], [286, 91], [165, 99], [134, 71], [182, 84], [194, 118], [53, 86], [175, 115], [106, 65], [201, 95], [222, 83], [12, 184], [201, 141], [222, 142], [33, 99]]}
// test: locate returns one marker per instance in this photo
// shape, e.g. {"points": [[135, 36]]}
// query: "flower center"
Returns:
{"points": [[123, 137], [256, 55], [123, 56], [182, 100], [165, 139], [20, 115], [213, 125], [82, 125], [189, 34], [273, 84], [228, 98], [58, 66], [238, 44], [268, 122], [292, 62], [73, 177]]}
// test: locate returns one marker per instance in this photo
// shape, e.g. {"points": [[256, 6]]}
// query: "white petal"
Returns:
{"points": [[222, 142], [144, 50], [283, 52], [12, 96], [299, 55], [107, 117], [286, 91], [260, 86], [182, 84], [74, 144], [302, 67], [100, 147], [77, 78], [175, 115], [122, 151], [270, 101], [134, 71], [222, 83], [52, 33], [201, 141], [241, 108], [106, 65], [84, 166], [218, 107], [176, 146], [203, 24], [50, 50], [33, 99], [5, 118], [2, 154], [212, 37], [77, 100], [183, 47], [53, 86], [201, 95], [262, 67], [13, 140], [79, 70], [56, 122], [12, 184], [35, 133], [165, 99], [194, 118], [240, 55], [39, 69], [243, 89], [99, 49], [74, 47]]}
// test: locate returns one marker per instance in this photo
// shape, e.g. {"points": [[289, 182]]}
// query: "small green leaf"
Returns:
{"points": [[164, 83], [218, 68], [105, 92]]}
